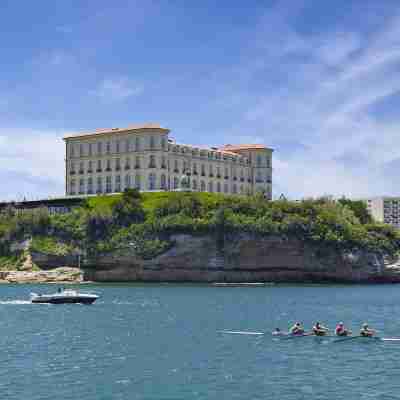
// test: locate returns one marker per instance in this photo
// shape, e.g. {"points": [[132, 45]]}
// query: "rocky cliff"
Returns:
{"points": [[243, 258]]}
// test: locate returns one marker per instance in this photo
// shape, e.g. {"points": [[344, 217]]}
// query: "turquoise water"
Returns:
{"points": [[163, 342]]}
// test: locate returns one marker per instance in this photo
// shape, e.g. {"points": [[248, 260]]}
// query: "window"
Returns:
{"points": [[163, 143], [218, 187], [226, 173], [137, 162], [127, 147], [268, 162], [117, 146], [117, 164], [127, 181], [210, 187], [259, 178], [127, 163], [117, 183], [259, 161], [108, 147], [203, 170], [185, 166], [152, 181], [138, 184], [218, 172], [234, 188], [72, 168], [99, 185], [81, 186], [226, 188], [163, 163], [108, 165], [90, 149], [99, 148], [163, 184], [152, 143], [72, 150], [194, 169], [202, 186], [90, 167], [176, 183], [90, 186], [81, 150], [108, 184], [211, 171], [99, 166], [81, 167], [194, 185], [72, 187], [176, 170], [137, 144], [152, 162]]}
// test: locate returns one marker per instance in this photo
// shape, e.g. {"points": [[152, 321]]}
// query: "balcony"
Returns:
{"points": [[89, 171], [108, 169], [211, 175], [235, 178], [81, 172], [218, 176], [203, 174], [99, 170], [72, 172], [226, 177], [163, 166], [127, 167], [137, 166], [259, 181], [241, 179], [118, 168], [195, 173], [152, 166], [249, 180], [176, 171]]}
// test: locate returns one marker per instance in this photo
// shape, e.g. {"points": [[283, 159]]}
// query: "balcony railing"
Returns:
{"points": [[89, 171], [72, 172], [226, 177], [99, 170], [241, 179], [108, 169], [152, 166], [235, 178], [81, 172], [218, 176], [118, 168], [194, 172], [211, 175], [127, 167], [137, 166], [163, 166], [203, 174]]}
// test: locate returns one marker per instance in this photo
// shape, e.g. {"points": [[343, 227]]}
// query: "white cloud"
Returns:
{"points": [[117, 89], [31, 163]]}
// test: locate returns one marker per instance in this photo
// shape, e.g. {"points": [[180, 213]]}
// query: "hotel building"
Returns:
{"points": [[385, 209], [146, 158]]}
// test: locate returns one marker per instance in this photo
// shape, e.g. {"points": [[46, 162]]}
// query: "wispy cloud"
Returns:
{"points": [[323, 106], [117, 89]]}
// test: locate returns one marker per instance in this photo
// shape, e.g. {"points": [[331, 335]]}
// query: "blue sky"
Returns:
{"points": [[317, 81]]}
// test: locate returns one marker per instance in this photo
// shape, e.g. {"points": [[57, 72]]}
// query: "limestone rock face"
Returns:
{"points": [[243, 258], [58, 275]]}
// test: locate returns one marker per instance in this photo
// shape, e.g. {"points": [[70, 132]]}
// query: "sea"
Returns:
{"points": [[167, 341]]}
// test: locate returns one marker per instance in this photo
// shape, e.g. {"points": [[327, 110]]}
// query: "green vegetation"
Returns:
{"points": [[144, 223]]}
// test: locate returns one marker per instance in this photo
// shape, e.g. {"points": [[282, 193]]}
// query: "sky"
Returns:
{"points": [[317, 81]]}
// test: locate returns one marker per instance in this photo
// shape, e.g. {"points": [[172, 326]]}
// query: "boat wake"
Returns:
{"points": [[15, 302]]}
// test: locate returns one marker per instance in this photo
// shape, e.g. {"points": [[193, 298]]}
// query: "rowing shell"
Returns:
{"points": [[243, 333]]}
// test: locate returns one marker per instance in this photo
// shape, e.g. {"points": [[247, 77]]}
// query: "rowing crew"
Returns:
{"points": [[320, 330]]}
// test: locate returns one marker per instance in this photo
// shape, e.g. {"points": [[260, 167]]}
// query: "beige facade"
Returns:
{"points": [[146, 158], [385, 209]]}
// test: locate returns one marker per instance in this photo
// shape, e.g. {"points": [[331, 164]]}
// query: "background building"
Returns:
{"points": [[144, 157], [385, 209]]}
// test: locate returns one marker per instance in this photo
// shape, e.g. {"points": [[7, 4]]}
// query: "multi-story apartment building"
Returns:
{"points": [[146, 158], [385, 209]]}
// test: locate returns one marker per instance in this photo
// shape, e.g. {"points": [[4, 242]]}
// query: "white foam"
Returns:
{"points": [[15, 302]]}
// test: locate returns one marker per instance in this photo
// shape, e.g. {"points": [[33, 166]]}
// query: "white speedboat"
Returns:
{"points": [[66, 296]]}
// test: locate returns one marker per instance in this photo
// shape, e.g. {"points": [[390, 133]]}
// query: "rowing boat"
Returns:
{"points": [[336, 339]]}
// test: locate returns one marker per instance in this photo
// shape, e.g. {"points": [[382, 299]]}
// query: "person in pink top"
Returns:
{"points": [[340, 330]]}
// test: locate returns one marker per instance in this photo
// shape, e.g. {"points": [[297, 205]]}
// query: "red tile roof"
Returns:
{"points": [[103, 131], [231, 147]]}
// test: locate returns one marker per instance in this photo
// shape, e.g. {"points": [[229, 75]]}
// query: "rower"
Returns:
{"points": [[340, 330], [277, 332], [319, 330], [297, 329], [366, 331]]}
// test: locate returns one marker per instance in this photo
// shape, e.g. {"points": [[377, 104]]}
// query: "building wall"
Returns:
{"points": [[385, 209], [147, 160]]}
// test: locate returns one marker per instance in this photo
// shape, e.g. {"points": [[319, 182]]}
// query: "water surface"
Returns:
{"points": [[164, 342]]}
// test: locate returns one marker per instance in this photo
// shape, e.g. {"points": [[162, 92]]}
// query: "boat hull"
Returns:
{"points": [[65, 300]]}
